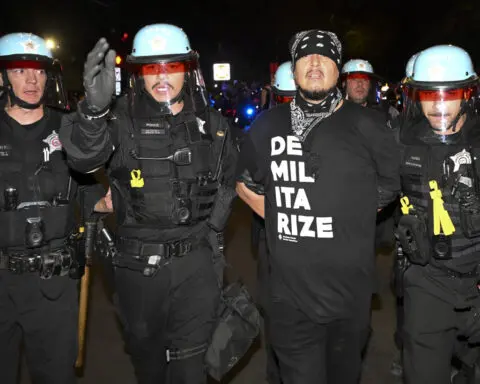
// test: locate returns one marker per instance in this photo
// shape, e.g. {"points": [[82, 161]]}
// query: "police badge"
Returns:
{"points": [[53, 142]]}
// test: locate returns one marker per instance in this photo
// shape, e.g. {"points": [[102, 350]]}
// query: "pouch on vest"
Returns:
{"points": [[470, 216], [413, 236], [56, 222]]}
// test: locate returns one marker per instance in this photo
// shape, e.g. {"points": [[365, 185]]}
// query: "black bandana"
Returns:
{"points": [[318, 42]]}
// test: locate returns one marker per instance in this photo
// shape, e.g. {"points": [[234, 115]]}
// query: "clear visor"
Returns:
{"points": [[442, 108], [171, 82], [359, 76], [32, 80], [281, 99]]}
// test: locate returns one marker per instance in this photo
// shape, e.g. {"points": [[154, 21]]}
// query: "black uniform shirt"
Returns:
{"points": [[32, 162]]}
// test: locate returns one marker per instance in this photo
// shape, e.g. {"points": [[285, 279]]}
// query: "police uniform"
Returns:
{"points": [[439, 230], [38, 255], [171, 190]]}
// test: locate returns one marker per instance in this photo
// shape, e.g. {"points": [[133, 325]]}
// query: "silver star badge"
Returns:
{"points": [[201, 123], [460, 158]]}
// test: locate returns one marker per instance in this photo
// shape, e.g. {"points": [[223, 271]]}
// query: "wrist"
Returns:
{"points": [[88, 113]]}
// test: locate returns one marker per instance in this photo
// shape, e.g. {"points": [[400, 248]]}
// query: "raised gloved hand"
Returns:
{"points": [[99, 76]]}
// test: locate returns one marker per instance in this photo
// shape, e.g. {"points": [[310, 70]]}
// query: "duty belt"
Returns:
{"points": [[149, 257], [454, 274], [166, 250], [48, 263]]}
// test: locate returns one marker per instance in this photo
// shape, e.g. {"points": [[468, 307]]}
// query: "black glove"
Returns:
{"points": [[246, 178], [99, 76]]}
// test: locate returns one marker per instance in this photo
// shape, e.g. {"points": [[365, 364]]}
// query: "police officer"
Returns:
{"points": [[439, 230], [170, 163], [283, 88], [360, 86], [38, 257], [359, 82]]}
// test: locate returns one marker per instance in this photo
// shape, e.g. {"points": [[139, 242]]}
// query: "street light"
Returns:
{"points": [[51, 44]]}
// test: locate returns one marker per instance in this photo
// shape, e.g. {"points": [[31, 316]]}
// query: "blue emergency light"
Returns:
{"points": [[249, 111]]}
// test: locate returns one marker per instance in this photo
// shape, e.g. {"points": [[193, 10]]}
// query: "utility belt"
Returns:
{"points": [[412, 232], [421, 250], [47, 262], [455, 274], [413, 229], [148, 257]]}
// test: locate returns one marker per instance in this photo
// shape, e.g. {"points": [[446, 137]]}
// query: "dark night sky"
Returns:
{"points": [[251, 33]]}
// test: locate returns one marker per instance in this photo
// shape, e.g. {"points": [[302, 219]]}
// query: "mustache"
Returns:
{"points": [[315, 70], [164, 83]]}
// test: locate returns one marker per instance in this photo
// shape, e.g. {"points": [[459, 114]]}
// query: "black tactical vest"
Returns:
{"points": [[34, 173], [422, 163], [165, 170]]}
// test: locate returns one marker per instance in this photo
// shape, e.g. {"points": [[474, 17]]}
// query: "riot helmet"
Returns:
{"points": [[409, 66], [31, 76], [165, 69], [442, 89], [359, 82], [283, 87], [408, 74]]}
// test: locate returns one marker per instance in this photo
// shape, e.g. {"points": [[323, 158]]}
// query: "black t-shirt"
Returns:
{"points": [[321, 232]]}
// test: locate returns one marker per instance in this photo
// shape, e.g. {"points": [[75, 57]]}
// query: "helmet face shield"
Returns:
{"points": [[170, 68], [359, 76], [35, 81], [440, 90], [281, 99], [444, 109], [442, 96], [170, 81], [360, 87]]}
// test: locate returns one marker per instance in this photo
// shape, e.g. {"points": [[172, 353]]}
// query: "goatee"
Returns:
{"points": [[316, 95]]}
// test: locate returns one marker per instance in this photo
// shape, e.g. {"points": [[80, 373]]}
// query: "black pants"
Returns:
{"points": [[431, 303], [174, 310], [45, 313], [399, 317], [273, 373], [312, 353]]}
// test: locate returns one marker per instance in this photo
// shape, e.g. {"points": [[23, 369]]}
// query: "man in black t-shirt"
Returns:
{"points": [[326, 166]]}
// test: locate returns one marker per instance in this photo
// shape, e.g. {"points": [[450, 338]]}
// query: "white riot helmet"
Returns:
{"points": [[442, 87]]}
